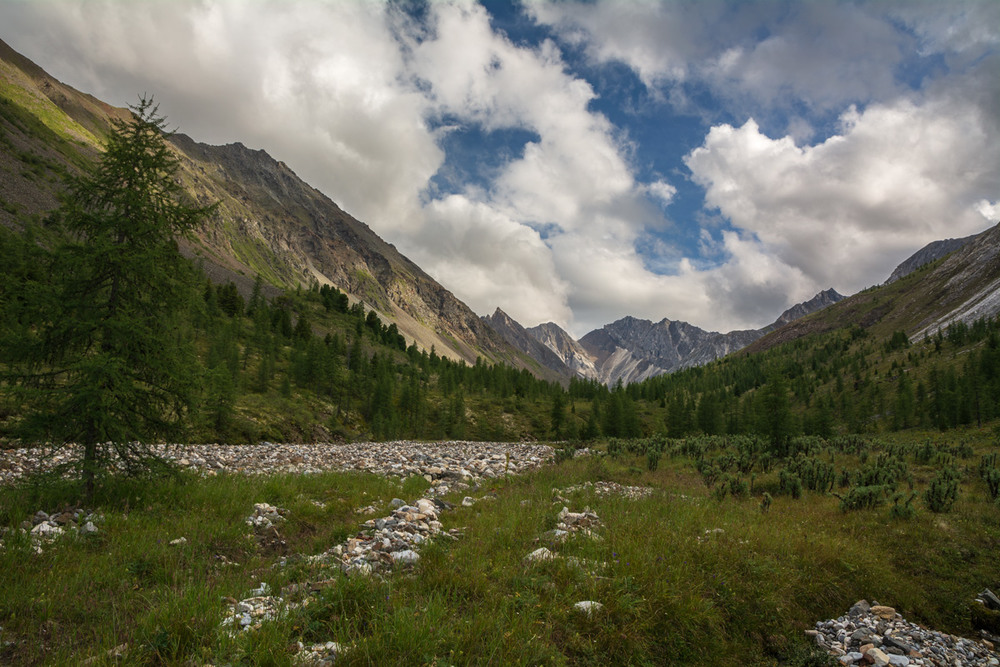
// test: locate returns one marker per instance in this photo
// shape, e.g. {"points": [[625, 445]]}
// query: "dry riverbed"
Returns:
{"points": [[438, 462]]}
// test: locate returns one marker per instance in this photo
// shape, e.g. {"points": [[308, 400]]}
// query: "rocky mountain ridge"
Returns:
{"points": [[267, 222], [271, 223], [572, 354], [962, 287], [633, 349], [929, 253]]}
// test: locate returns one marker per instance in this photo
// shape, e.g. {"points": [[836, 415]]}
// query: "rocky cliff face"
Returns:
{"points": [[929, 253], [632, 350], [571, 353], [276, 224], [523, 340], [967, 285], [964, 287], [799, 310]]}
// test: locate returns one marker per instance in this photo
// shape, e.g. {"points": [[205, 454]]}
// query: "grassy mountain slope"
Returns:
{"points": [[960, 287], [268, 221]]}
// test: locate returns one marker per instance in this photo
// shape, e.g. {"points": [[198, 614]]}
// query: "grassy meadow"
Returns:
{"points": [[688, 575]]}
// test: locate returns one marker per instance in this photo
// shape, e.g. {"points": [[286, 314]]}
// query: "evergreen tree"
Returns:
{"points": [[256, 297], [558, 413], [775, 417], [102, 360]]}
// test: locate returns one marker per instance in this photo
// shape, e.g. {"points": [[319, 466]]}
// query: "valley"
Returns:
{"points": [[449, 488]]}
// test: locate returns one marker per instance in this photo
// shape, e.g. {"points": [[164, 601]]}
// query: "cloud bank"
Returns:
{"points": [[835, 139]]}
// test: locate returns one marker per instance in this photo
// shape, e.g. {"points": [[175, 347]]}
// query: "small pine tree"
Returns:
{"points": [[103, 360], [943, 491]]}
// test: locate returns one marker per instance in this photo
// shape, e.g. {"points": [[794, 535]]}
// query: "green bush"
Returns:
{"points": [[790, 483], [863, 497], [943, 491], [903, 509], [653, 458]]}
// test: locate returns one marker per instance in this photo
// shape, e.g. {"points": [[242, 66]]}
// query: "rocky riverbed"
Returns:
{"points": [[439, 462], [873, 634]]}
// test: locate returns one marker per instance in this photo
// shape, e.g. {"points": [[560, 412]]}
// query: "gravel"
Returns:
{"points": [[440, 462]]}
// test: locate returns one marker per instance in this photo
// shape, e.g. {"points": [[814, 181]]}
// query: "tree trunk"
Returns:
{"points": [[89, 471]]}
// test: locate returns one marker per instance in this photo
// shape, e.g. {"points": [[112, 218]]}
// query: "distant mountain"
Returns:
{"points": [[799, 310], [570, 351], [929, 253], [963, 287], [632, 349], [268, 221], [523, 340]]}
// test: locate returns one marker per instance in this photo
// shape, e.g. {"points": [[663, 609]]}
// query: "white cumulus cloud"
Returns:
{"points": [[842, 211]]}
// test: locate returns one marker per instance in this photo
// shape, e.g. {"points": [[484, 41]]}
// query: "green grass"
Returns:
{"points": [[12, 87], [672, 592]]}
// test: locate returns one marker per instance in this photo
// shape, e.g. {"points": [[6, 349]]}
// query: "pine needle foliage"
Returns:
{"points": [[98, 353]]}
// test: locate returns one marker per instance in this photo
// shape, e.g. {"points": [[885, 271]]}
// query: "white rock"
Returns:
{"points": [[588, 606], [427, 507], [46, 530], [539, 555], [261, 590]]}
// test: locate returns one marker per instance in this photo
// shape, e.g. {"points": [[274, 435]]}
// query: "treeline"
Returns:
{"points": [[844, 382], [110, 339], [841, 382], [313, 346], [310, 364]]}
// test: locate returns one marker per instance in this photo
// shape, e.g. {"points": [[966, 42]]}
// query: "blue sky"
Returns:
{"points": [[577, 162]]}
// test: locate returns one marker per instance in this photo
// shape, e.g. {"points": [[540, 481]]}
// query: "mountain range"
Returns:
{"points": [[268, 222], [631, 349]]}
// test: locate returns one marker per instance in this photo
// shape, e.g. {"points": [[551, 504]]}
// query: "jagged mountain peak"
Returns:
{"points": [[929, 253], [632, 349], [825, 298]]}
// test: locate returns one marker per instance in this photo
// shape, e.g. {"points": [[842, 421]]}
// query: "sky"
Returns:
{"points": [[577, 162]]}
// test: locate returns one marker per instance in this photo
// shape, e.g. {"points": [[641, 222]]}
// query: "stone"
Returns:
{"points": [[990, 599], [883, 612], [178, 542], [427, 507], [89, 528], [539, 555], [903, 643], [859, 608], [588, 606], [261, 590], [63, 518], [46, 530], [877, 656]]}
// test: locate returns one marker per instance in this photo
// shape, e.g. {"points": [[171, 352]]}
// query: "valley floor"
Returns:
{"points": [[491, 553]]}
